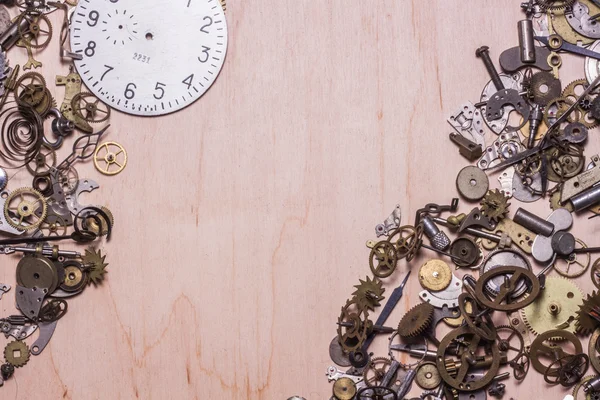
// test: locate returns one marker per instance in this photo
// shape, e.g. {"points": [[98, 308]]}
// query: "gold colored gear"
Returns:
{"points": [[30, 89], [584, 323], [53, 225], [25, 214], [352, 337], [368, 293], [569, 90], [435, 275], [428, 377], [561, 105], [16, 353], [555, 203], [39, 26], [94, 263], [110, 156], [344, 389], [575, 264], [416, 320], [92, 225], [495, 205], [378, 368], [87, 106], [554, 308], [579, 385]]}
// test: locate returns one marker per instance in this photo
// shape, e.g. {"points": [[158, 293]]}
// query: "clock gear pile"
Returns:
{"points": [[500, 286], [46, 230]]}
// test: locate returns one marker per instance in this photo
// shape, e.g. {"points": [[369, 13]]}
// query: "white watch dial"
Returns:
{"points": [[149, 57]]}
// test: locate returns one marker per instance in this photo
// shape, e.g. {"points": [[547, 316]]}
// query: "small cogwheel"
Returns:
{"points": [[495, 205], [94, 263], [585, 323], [16, 353], [555, 5], [416, 320], [25, 209], [369, 293]]}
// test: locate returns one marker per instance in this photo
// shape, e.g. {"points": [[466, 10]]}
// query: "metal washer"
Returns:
{"points": [[472, 183]]}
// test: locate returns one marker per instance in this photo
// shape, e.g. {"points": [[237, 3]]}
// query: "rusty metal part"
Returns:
{"points": [[503, 301]]}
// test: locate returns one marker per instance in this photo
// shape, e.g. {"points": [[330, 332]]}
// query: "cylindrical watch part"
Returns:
{"points": [[526, 42], [12, 35], [563, 243], [592, 385], [586, 199], [534, 223], [439, 239]]}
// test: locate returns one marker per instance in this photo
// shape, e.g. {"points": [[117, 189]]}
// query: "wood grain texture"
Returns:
{"points": [[241, 221]]}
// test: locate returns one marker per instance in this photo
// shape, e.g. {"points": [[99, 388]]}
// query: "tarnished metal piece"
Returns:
{"points": [[505, 147], [533, 223], [467, 148], [468, 122], [541, 249], [581, 182], [472, 183], [390, 223], [526, 42]]}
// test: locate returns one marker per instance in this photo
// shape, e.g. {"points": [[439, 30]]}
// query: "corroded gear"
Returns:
{"points": [[30, 89], [22, 209], [85, 105], [555, 5], [495, 205], [344, 389], [37, 32], [376, 371], [569, 90], [352, 337], [369, 293], [16, 353], [428, 377], [510, 341], [382, 259], [586, 324], [550, 346], [94, 264], [91, 224], [416, 320], [435, 275], [555, 307]]}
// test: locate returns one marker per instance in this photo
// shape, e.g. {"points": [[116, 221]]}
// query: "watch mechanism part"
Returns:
{"points": [[472, 183], [435, 275]]}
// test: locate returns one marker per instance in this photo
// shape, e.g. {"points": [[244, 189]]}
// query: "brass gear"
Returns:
{"points": [[554, 308], [495, 205], [458, 321], [416, 320], [369, 293], [92, 225], [556, 108], [579, 385], [88, 107], [30, 89], [38, 26], [585, 324], [16, 353], [555, 5], [569, 90], [21, 209], [376, 371], [352, 337], [344, 389], [428, 377], [435, 275], [94, 264]]}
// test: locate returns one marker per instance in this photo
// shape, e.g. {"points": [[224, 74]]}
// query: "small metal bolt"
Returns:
{"points": [[484, 53]]}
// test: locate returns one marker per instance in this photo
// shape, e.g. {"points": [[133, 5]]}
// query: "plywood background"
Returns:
{"points": [[241, 221]]}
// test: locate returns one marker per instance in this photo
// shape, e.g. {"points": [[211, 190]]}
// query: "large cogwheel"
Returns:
{"points": [[94, 263], [555, 5], [495, 205], [416, 320], [16, 353], [353, 336], [369, 293], [585, 323], [25, 209], [554, 308]]}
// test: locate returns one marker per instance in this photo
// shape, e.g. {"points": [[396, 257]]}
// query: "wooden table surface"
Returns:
{"points": [[241, 221]]}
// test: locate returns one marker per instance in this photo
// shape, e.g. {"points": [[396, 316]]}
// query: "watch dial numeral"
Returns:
{"points": [[206, 25], [94, 16], [90, 50], [204, 57], [159, 88], [108, 69], [129, 93], [188, 81]]}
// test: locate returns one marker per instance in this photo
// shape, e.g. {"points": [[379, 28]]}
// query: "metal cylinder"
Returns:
{"points": [[563, 243], [586, 199], [592, 385], [526, 43], [10, 37], [534, 223], [439, 239]]}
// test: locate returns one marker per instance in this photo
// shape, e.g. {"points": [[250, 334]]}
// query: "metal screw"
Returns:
{"points": [[484, 53]]}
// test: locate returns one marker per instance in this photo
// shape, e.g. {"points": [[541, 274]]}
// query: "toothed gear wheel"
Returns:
{"points": [[416, 320], [555, 5], [495, 205], [378, 368], [94, 263], [351, 338], [16, 353], [369, 293], [569, 90], [554, 308], [22, 209], [585, 324]]}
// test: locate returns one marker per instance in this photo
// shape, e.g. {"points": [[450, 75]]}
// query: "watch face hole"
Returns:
{"points": [[149, 36]]}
